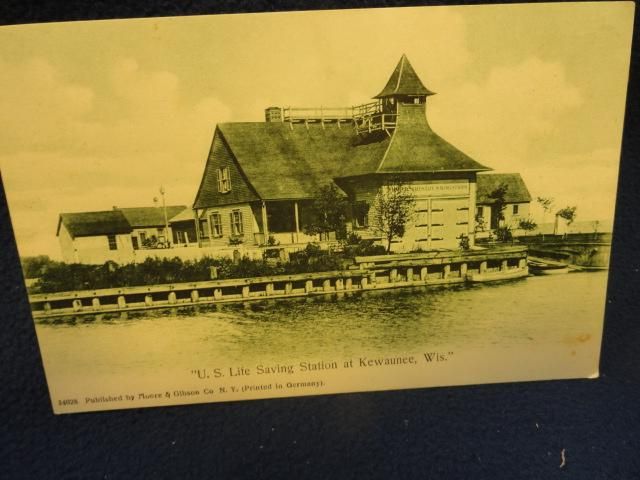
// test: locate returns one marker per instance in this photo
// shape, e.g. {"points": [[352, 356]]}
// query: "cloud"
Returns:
{"points": [[73, 147], [587, 181], [36, 101], [499, 119]]}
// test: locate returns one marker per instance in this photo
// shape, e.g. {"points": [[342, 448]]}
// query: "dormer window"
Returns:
{"points": [[224, 181]]}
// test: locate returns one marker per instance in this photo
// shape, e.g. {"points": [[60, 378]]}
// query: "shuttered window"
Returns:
{"points": [[224, 180], [236, 223], [216, 225]]}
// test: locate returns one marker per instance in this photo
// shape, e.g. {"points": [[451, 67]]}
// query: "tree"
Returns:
{"points": [[499, 203], [568, 214], [528, 225], [547, 204], [328, 212], [392, 210]]}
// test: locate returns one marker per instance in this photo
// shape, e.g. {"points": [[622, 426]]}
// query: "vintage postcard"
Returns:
{"points": [[233, 207]]}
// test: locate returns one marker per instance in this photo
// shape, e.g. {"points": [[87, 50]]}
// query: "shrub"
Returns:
{"points": [[34, 267], [464, 242], [504, 234], [364, 248], [352, 239]]}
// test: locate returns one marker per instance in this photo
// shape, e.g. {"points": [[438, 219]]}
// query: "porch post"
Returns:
{"points": [[197, 219], [265, 226], [295, 213]]}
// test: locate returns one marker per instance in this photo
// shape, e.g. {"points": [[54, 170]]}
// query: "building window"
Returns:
{"points": [[515, 209], [361, 214], [204, 229], [143, 238], [479, 212], [236, 223], [113, 245], [216, 225], [134, 242], [224, 180]]}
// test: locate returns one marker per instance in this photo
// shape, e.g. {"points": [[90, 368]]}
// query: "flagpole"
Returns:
{"points": [[166, 221]]}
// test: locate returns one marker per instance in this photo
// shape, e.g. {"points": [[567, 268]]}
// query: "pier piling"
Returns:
{"points": [[370, 273]]}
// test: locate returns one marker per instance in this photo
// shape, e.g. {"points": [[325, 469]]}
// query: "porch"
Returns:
{"points": [[256, 224], [283, 223]]}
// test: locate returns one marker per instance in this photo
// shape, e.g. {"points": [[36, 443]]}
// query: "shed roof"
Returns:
{"points": [[143, 217], [186, 215], [404, 81], [87, 224], [517, 191]]}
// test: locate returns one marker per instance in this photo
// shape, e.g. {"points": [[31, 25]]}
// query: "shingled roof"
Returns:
{"points": [[517, 191], [282, 162], [286, 163], [404, 81], [415, 147], [145, 217], [186, 215], [87, 224]]}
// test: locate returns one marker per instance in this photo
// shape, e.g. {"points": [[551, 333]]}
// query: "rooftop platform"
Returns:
{"points": [[365, 118]]}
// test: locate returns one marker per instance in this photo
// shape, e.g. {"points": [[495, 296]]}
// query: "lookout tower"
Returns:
{"points": [[403, 87]]}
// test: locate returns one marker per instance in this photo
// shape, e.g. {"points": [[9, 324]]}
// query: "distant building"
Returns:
{"points": [[95, 237], [149, 224], [517, 199], [260, 177], [183, 227]]}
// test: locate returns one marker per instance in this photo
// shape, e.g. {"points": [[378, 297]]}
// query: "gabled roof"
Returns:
{"points": [[284, 162], [87, 224], [287, 161], [517, 191], [143, 217], [404, 81]]}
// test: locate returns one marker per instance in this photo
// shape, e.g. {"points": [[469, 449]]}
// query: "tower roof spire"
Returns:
{"points": [[404, 81]]}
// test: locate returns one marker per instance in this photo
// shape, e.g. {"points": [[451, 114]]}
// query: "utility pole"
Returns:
{"points": [[166, 221]]}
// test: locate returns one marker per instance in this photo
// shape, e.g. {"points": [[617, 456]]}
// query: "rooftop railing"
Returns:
{"points": [[317, 114], [366, 118]]}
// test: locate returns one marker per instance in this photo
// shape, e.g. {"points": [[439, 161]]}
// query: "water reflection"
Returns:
{"points": [[536, 310]]}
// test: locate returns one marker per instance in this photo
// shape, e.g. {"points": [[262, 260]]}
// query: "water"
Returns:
{"points": [[532, 312]]}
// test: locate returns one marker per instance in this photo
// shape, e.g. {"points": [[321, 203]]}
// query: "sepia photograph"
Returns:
{"points": [[233, 207]]}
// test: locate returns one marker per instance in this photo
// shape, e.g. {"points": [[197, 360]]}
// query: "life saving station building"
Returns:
{"points": [[260, 177]]}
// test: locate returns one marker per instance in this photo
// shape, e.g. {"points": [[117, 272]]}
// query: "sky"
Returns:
{"points": [[101, 114]]}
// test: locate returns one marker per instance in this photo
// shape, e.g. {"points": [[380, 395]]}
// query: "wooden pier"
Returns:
{"points": [[367, 273]]}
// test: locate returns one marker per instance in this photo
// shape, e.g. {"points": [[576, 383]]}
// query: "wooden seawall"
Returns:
{"points": [[367, 273]]}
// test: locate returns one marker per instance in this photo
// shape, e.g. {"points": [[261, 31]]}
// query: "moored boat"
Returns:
{"points": [[498, 275], [546, 267]]}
